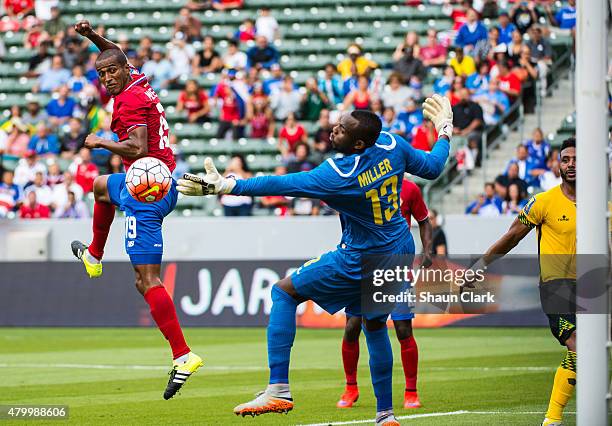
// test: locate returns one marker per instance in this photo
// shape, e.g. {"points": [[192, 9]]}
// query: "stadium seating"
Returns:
{"points": [[314, 32]]}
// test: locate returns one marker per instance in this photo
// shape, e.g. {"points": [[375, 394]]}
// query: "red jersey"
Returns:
{"points": [[229, 108], [136, 106], [85, 176], [510, 82], [38, 211], [292, 138], [411, 202], [18, 6]]}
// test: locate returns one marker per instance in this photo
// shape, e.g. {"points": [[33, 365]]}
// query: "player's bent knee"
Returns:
{"points": [[352, 329], [101, 189], [287, 286], [403, 329], [373, 324]]}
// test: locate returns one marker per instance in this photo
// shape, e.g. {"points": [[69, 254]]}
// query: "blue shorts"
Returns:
{"points": [[333, 280], [143, 221]]}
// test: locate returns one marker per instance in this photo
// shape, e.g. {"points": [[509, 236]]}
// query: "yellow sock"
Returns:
{"points": [[563, 386]]}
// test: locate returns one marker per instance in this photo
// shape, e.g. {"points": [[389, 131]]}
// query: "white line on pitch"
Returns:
{"points": [[245, 368], [450, 413], [126, 367]]}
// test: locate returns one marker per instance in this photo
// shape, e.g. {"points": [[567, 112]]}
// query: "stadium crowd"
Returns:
{"points": [[483, 69]]}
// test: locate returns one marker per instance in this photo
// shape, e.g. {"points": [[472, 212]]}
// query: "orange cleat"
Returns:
{"points": [[411, 400], [264, 403], [349, 397]]}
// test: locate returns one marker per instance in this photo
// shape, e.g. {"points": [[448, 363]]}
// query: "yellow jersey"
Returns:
{"points": [[361, 64], [554, 217]]}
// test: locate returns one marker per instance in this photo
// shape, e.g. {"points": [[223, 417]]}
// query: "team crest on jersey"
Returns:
{"points": [[563, 218]]}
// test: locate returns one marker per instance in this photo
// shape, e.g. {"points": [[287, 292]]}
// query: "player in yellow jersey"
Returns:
{"points": [[553, 214]]}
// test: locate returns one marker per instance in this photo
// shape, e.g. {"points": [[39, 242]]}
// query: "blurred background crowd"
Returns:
{"points": [[490, 58]]}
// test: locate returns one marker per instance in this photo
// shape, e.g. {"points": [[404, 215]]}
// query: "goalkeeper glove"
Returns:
{"points": [[438, 110], [211, 184]]}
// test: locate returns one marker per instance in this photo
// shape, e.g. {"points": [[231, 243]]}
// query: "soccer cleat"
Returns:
{"points": [[411, 400], [94, 270], [180, 373], [551, 422], [349, 397], [263, 403], [387, 419]]}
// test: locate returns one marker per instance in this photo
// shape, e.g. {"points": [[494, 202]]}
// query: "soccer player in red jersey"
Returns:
{"points": [[411, 205], [140, 123]]}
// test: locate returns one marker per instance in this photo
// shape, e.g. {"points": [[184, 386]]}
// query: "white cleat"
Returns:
{"points": [[386, 419], [265, 402], [550, 422]]}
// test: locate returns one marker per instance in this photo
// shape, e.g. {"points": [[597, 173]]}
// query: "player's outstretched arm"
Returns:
{"points": [[84, 28], [312, 184], [426, 233]]}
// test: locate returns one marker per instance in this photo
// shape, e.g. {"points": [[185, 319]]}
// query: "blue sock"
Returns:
{"points": [[281, 333], [381, 367]]}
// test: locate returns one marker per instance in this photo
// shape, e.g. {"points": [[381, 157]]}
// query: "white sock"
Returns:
{"points": [[182, 359], [90, 258], [279, 389]]}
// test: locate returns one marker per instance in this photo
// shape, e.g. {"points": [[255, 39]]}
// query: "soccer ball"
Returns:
{"points": [[148, 180]]}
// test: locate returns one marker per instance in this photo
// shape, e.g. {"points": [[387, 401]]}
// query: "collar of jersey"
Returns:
{"points": [[134, 83]]}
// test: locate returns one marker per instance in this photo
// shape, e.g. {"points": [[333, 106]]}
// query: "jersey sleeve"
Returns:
{"points": [[416, 205], [320, 183], [532, 214], [133, 112], [427, 165]]}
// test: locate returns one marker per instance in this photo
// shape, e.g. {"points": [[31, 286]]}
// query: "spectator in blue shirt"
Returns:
{"points": [[442, 85], [471, 32], [494, 102], [331, 84], [487, 204], [54, 77], [262, 55], [525, 165], [506, 28], [275, 82], [410, 118], [44, 142], [538, 149], [159, 70], [480, 80], [392, 124], [9, 194], [61, 108], [565, 18]]}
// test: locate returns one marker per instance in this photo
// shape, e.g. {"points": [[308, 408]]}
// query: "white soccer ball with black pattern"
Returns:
{"points": [[148, 180]]}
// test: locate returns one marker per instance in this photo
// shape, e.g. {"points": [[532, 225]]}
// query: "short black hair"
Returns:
{"points": [[115, 54], [568, 143], [369, 125]]}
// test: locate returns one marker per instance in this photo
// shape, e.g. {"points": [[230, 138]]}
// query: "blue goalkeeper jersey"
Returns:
{"points": [[364, 188]]}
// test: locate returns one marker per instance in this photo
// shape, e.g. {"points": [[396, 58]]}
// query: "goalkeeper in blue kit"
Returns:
{"points": [[364, 187]]}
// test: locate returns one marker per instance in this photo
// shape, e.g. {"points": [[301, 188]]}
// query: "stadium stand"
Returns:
{"points": [[391, 36]]}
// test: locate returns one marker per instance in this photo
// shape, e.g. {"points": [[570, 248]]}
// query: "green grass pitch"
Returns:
{"points": [[488, 375]]}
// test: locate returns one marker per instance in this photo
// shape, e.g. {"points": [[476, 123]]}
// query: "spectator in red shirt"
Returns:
{"points": [[85, 171], [31, 209], [458, 15], [289, 136], [227, 4], [18, 8], [260, 118], [245, 32], [433, 53], [424, 136], [194, 100], [231, 117], [509, 83]]}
